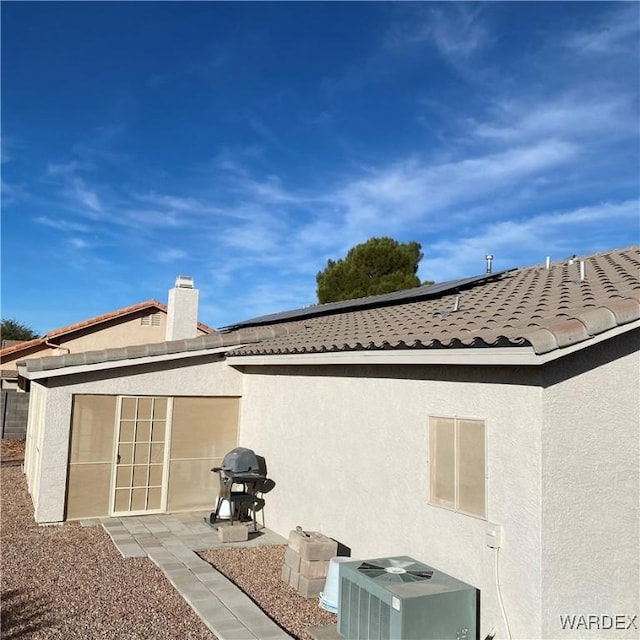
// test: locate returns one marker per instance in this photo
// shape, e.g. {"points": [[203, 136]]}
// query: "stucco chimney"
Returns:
{"points": [[182, 310]]}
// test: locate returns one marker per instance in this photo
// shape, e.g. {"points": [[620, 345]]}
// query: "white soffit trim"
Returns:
{"points": [[485, 356], [117, 364]]}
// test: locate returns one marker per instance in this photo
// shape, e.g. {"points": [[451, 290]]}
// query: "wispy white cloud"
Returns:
{"points": [[86, 198], [553, 233], [65, 169], [619, 28], [413, 190], [269, 190], [6, 148], [568, 115], [456, 30], [78, 243], [61, 224], [170, 255], [74, 189]]}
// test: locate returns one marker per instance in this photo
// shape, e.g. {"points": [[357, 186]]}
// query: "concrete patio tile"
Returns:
{"points": [[181, 582], [190, 540], [179, 574], [213, 609], [131, 551], [169, 542], [195, 591], [211, 579], [154, 544], [118, 536], [199, 530], [162, 553], [188, 561], [195, 562], [90, 522], [188, 557], [137, 529], [167, 566], [113, 528], [251, 616], [269, 630], [231, 630], [235, 600], [177, 546], [242, 633], [110, 521], [156, 527], [203, 569], [146, 538]]}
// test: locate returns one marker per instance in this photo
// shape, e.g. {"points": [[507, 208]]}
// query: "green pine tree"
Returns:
{"points": [[380, 265]]}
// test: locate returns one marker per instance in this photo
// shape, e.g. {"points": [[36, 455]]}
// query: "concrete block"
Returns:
{"points": [[292, 559], [314, 569], [286, 573], [312, 545], [310, 588], [294, 579], [233, 533]]}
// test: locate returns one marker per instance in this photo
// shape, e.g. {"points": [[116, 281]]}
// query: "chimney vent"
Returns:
{"points": [[489, 259], [184, 282]]}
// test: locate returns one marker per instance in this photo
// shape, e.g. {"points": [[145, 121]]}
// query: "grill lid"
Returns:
{"points": [[240, 460]]}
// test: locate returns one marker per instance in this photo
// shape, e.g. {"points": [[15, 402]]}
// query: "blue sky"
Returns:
{"points": [[246, 143]]}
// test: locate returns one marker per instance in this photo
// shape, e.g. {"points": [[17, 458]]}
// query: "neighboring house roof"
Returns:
{"points": [[10, 343], [63, 332], [541, 309]]}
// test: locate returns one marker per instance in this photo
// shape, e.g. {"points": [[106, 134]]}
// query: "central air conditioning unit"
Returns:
{"points": [[402, 599]]}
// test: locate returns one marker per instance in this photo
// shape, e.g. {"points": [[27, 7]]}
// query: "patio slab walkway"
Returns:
{"points": [[170, 541]]}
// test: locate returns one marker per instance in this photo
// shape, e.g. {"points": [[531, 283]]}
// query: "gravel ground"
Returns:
{"points": [[11, 450], [69, 581], [257, 572]]}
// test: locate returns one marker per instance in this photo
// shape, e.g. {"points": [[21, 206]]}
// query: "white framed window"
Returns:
{"points": [[457, 465]]}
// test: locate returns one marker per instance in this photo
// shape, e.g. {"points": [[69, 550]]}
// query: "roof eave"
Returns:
{"points": [[484, 356], [118, 364]]}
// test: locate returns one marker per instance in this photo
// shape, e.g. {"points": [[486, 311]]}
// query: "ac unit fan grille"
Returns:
{"points": [[363, 615], [407, 572]]}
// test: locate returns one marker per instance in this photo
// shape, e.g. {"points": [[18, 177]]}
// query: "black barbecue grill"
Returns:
{"points": [[243, 478]]}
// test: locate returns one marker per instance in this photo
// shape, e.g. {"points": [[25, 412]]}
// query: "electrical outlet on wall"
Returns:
{"points": [[494, 535]]}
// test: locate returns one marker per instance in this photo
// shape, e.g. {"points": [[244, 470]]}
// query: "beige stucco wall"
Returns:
{"points": [[119, 335], [349, 453], [590, 484], [348, 449], [204, 376]]}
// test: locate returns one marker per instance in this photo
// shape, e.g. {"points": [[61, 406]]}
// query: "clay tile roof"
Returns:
{"points": [[546, 309]]}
